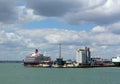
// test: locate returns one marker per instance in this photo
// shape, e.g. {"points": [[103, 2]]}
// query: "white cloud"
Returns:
{"points": [[102, 39], [13, 40], [73, 39], [70, 11], [12, 37], [79, 11], [114, 28], [25, 40], [99, 29], [27, 15], [11, 13]]}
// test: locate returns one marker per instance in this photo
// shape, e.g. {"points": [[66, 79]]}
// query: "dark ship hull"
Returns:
{"points": [[31, 63]]}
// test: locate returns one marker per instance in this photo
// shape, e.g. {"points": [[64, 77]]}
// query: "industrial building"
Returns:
{"points": [[83, 56]]}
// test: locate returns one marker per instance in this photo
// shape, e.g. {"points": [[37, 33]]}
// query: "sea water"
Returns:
{"points": [[18, 74]]}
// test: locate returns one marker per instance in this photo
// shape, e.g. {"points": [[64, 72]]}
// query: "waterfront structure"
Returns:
{"points": [[83, 56], [116, 60], [96, 61], [59, 61]]}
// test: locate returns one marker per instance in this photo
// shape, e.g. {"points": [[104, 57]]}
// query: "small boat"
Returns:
{"points": [[116, 60]]}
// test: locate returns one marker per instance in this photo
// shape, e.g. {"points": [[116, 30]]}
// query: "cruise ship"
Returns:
{"points": [[35, 59], [116, 60]]}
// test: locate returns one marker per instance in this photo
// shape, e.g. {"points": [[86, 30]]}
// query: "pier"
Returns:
{"points": [[47, 65], [83, 60]]}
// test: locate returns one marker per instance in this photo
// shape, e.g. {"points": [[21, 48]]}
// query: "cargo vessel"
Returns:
{"points": [[116, 60]]}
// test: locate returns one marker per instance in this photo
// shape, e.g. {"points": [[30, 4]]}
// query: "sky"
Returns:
{"points": [[26, 25]]}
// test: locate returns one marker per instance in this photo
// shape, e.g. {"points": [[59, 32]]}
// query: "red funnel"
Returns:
{"points": [[36, 51]]}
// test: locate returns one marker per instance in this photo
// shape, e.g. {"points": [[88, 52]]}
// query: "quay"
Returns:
{"points": [[71, 66], [83, 60]]}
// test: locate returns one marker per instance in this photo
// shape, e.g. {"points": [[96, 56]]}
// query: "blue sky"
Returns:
{"points": [[54, 23], [27, 24]]}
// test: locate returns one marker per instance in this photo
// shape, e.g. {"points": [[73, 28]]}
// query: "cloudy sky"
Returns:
{"points": [[29, 24]]}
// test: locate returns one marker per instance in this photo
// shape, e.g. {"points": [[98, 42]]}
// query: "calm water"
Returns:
{"points": [[17, 74]]}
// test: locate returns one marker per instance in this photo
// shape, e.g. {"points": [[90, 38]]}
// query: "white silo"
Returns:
{"points": [[83, 56]]}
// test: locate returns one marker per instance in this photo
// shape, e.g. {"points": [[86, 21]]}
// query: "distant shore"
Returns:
{"points": [[11, 61]]}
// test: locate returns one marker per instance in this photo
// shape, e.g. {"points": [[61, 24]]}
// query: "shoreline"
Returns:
{"points": [[80, 66]]}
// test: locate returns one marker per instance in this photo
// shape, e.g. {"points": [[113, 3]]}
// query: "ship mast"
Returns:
{"points": [[59, 50]]}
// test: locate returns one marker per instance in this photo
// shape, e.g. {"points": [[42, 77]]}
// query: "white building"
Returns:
{"points": [[83, 56]]}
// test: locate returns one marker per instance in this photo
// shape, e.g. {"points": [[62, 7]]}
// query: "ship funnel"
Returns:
{"points": [[36, 51]]}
